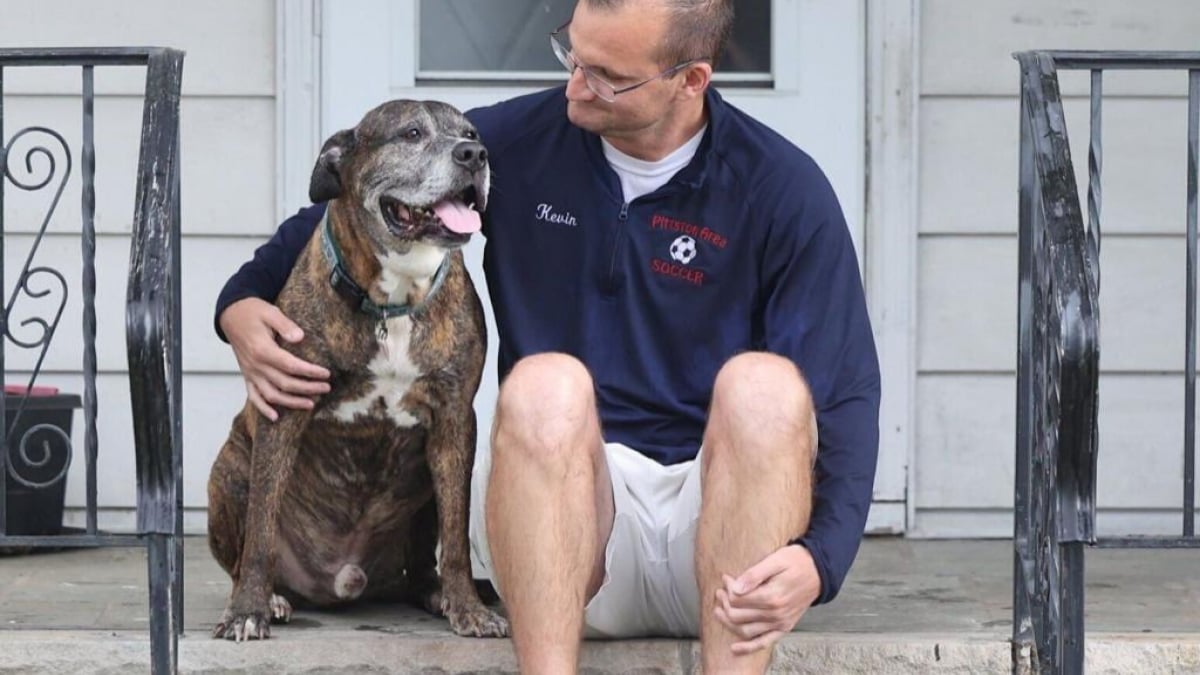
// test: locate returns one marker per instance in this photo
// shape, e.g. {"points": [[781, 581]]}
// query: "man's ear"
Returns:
{"points": [[326, 181], [696, 78]]}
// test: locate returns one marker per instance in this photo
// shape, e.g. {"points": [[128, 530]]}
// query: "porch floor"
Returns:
{"points": [[909, 606]]}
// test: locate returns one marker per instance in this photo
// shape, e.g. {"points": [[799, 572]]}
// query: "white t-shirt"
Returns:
{"points": [[639, 177]]}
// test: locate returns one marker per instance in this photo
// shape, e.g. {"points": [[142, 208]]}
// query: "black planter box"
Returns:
{"points": [[37, 479]]}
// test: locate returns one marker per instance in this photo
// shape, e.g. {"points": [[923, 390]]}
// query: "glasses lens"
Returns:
{"points": [[599, 87], [561, 53]]}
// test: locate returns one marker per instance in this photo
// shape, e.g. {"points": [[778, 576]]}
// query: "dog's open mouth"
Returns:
{"points": [[456, 217]]}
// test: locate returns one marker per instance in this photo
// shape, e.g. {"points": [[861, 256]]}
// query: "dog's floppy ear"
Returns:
{"points": [[326, 181]]}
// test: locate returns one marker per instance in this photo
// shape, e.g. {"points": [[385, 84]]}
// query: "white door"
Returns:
{"points": [[797, 65]]}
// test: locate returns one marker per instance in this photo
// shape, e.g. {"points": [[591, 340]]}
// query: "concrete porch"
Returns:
{"points": [[909, 607]]}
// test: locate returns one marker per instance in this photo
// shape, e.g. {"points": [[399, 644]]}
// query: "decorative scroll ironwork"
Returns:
{"points": [[27, 463], [35, 283]]}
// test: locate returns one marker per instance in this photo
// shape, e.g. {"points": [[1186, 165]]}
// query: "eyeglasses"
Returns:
{"points": [[559, 42]]}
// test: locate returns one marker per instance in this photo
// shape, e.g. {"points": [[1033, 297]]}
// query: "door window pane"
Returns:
{"points": [[507, 40]]}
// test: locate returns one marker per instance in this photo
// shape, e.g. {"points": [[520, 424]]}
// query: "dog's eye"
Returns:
{"points": [[412, 133], [470, 134]]}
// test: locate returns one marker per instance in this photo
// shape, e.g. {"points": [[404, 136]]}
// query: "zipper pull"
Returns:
{"points": [[624, 215]]}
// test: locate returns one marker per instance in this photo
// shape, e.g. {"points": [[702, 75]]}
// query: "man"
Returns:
{"points": [[662, 269]]}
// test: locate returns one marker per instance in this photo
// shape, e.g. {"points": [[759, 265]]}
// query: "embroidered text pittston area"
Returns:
{"points": [[661, 222]]}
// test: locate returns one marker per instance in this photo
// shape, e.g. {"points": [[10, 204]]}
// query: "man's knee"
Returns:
{"points": [[758, 394], [545, 405]]}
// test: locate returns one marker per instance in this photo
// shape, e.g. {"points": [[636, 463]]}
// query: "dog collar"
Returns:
{"points": [[345, 286]]}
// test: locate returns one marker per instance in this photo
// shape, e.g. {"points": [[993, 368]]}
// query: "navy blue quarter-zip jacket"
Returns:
{"points": [[746, 248]]}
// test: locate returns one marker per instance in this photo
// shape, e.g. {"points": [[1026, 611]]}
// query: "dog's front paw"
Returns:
{"points": [[474, 620], [244, 625]]}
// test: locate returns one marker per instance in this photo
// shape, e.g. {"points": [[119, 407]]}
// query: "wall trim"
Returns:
{"points": [[891, 230], [297, 102]]}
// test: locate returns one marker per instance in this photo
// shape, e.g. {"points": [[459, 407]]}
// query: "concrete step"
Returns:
{"points": [[340, 651], [909, 607]]}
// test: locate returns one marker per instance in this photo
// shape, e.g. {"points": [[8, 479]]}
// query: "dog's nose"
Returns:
{"points": [[471, 154]]}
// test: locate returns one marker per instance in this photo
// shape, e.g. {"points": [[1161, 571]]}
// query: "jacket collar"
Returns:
{"points": [[691, 176]]}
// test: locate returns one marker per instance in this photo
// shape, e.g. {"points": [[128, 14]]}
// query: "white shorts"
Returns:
{"points": [[650, 584]]}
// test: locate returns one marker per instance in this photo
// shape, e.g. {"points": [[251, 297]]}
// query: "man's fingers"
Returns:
{"points": [[757, 575], [272, 395], [719, 612], [293, 387], [743, 631], [743, 615], [765, 597], [265, 354], [285, 327], [273, 357], [753, 631], [294, 365], [757, 597], [761, 642], [274, 376], [257, 400], [297, 386], [746, 631], [731, 584]]}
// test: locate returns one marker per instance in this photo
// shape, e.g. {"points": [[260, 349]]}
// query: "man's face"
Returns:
{"points": [[620, 46]]}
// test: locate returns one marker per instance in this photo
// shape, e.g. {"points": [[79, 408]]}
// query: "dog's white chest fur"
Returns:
{"points": [[392, 369], [392, 373]]}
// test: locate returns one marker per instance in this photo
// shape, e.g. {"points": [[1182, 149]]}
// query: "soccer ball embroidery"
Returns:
{"points": [[683, 249]]}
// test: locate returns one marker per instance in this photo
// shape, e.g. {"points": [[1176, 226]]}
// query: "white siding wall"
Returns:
{"points": [[228, 191], [963, 462], [967, 278]]}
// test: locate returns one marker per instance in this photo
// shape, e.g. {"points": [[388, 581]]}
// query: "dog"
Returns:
{"points": [[346, 501]]}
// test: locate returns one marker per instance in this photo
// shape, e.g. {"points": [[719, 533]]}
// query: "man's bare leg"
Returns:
{"points": [[757, 486], [549, 508]]}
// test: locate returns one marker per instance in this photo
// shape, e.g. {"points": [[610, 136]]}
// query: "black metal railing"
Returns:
{"points": [[152, 320], [1059, 354]]}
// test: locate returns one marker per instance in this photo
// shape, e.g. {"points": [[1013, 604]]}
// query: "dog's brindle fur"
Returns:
{"points": [[346, 501]]}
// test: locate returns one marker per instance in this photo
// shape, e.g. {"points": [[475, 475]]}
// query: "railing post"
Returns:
{"points": [[1058, 356], [177, 384], [1095, 169], [1072, 599], [3, 321], [1193, 176], [154, 347], [1024, 644], [88, 210]]}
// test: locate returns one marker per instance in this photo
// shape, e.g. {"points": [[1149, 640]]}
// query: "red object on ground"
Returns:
{"points": [[36, 390]]}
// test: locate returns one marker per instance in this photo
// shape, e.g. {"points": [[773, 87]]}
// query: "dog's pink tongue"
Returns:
{"points": [[458, 217]]}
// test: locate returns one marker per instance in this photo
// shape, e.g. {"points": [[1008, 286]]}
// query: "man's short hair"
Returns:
{"points": [[697, 29]]}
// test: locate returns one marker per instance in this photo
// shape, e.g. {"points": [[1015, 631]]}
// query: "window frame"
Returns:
{"points": [[406, 72]]}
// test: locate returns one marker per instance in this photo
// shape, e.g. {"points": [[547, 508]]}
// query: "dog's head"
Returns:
{"points": [[415, 168]]}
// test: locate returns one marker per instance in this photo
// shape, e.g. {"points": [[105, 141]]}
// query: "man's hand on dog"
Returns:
{"points": [[768, 599], [274, 376]]}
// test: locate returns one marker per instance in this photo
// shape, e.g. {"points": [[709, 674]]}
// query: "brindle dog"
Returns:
{"points": [[346, 501]]}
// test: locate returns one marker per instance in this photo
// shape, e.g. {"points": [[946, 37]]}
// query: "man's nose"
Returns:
{"points": [[577, 88], [470, 154]]}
